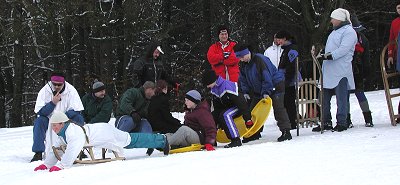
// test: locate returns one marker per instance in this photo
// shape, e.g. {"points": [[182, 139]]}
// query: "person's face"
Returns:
{"points": [[280, 41], [245, 58], [276, 41], [57, 127], [189, 104], [335, 22], [156, 54], [398, 9], [149, 93], [211, 85], [223, 36], [100, 94], [165, 90], [57, 86]]}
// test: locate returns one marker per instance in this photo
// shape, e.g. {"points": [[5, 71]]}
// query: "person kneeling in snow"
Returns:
{"points": [[102, 135], [198, 126]]}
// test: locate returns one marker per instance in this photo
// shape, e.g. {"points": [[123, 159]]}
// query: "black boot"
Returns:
{"points": [[235, 142], [37, 157], [254, 137], [348, 121], [150, 151], [327, 126], [368, 119], [285, 135], [339, 128]]}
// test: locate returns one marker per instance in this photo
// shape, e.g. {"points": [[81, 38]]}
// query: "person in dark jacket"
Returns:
{"points": [[259, 77], [150, 67], [228, 103], [160, 116], [199, 125], [361, 65], [287, 65], [97, 104], [132, 110]]}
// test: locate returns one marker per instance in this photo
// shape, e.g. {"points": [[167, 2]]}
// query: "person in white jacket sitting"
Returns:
{"points": [[102, 135], [274, 52]]}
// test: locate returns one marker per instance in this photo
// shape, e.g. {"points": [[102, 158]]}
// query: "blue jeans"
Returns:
{"points": [[126, 123], [40, 126], [341, 92]]}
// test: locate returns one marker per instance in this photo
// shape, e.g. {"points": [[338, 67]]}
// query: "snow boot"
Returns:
{"points": [[285, 135], [37, 157], [150, 151], [235, 142], [254, 137], [339, 128], [327, 126], [368, 119], [348, 121]]}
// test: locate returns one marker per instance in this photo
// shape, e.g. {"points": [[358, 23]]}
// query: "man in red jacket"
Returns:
{"points": [[394, 33], [222, 57]]}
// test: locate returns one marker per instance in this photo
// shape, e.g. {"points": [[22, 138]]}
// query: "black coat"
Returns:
{"points": [[160, 117]]}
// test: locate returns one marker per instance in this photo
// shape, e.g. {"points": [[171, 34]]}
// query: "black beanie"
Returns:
{"points": [[209, 77]]}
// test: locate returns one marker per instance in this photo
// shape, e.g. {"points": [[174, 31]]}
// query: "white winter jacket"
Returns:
{"points": [[274, 53], [101, 135]]}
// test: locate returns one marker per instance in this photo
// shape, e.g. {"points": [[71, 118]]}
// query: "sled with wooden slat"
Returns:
{"points": [[259, 115], [92, 159], [191, 148], [385, 76]]}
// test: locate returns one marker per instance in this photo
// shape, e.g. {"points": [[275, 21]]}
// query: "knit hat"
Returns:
{"points": [[209, 77], [193, 96], [98, 86], [356, 24], [57, 77], [341, 14], [58, 117], [222, 29]]}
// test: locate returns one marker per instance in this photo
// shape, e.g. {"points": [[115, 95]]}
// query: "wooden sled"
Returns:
{"points": [[385, 76], [259, 115], [191, 148], [92, 159]]}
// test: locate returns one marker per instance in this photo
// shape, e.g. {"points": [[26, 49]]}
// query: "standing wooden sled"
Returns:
{"points": [[92, 159], [385, 76]]}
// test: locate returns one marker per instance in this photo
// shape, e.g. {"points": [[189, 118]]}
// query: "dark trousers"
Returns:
{"points": [[290, 104], [341, 92]]}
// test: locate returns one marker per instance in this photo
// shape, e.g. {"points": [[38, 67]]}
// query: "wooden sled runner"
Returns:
{"points": [[191, 148], [92, 159], [259, 115]]}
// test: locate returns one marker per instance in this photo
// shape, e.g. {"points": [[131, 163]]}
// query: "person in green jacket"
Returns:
{"points": [[97, 104], [132, 109]]}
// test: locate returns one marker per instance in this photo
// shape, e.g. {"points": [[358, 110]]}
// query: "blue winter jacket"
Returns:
{"points": [[259, 76]]}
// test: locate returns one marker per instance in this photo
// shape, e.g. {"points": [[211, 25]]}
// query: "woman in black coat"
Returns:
{"points": [[159, 113]]}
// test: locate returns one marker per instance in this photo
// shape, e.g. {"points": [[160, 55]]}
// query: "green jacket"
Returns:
{"points": [[96, 109], [133, 100]]}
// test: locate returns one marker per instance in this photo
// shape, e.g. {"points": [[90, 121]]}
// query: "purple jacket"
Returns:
{"points": [[200, 120]]}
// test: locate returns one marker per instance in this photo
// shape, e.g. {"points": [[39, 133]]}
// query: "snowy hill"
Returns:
{"points": [[357, 156]]}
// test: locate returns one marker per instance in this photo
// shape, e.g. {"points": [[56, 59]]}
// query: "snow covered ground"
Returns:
{"points": [[357, 156]]}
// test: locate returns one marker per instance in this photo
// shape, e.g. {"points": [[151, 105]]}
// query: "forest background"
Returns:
{"points": [[100, 38]]}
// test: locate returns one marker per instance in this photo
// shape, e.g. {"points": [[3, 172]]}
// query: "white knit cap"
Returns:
{"points": [[341, 14], [58, 117]]}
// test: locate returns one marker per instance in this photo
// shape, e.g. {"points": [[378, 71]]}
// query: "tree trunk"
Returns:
{"points": [[2, 99]]}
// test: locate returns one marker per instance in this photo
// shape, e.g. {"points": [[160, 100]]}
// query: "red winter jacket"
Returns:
{"points": [[220, 65], [200, 120], [394, 31]]}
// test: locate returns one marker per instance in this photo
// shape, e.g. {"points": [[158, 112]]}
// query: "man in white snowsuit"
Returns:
{"points": [[102, 135]]}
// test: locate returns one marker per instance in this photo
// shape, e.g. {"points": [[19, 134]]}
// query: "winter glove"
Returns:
{"points": [[54, 168], [226, 54], [136, 117], [246, 96], [249, 123], [41, 167], [265, 96], [209, 147]]}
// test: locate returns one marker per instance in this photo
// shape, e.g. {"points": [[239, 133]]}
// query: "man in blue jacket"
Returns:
{"points": [[258, 77]]}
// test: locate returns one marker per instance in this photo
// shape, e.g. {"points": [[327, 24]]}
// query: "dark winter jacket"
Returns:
{"points": [[226, 95], [96, 109], [200, 120], [287, 63], [133, 100], [259, 76], [361, 61], [160, 116], [146, 68]]}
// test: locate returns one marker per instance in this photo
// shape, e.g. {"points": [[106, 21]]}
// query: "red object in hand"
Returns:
{"points": [[209, 147], [54, 168], [41, 167], [249, 123]]}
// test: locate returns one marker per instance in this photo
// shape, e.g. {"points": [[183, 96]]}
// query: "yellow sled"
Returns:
{"points": [[193, 147], [259, 115]]}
